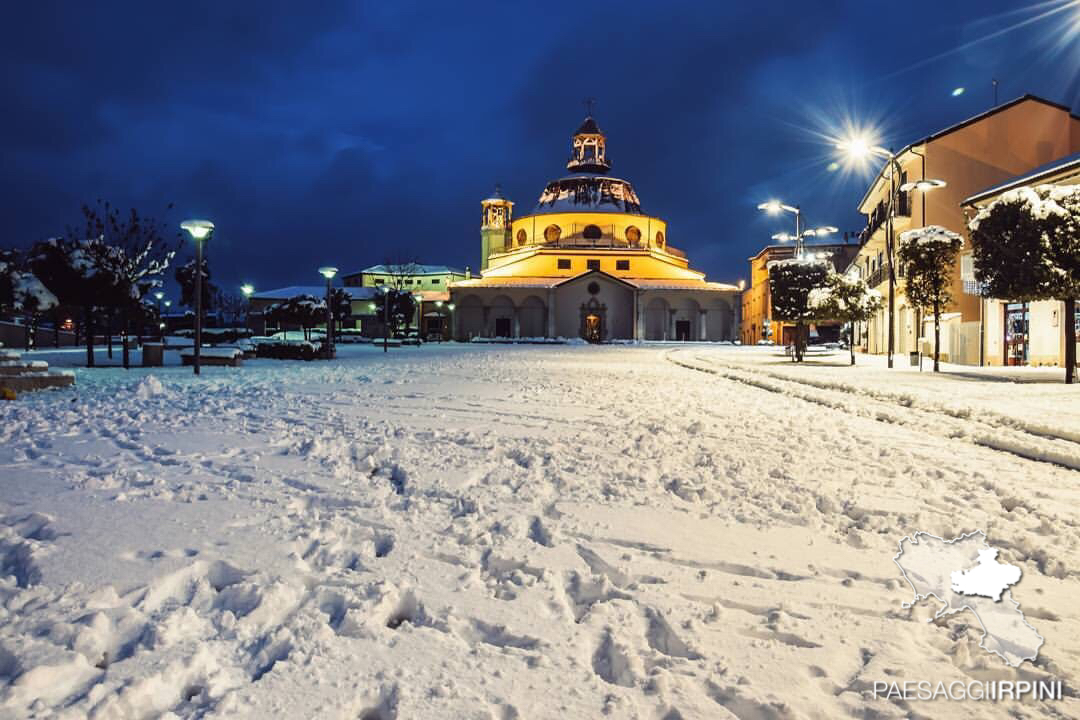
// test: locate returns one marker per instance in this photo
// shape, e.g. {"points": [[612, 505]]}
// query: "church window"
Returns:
{"points": [[564, 263], [592, 232], [622, 264], [522, 236], [659, 239], [592, 264], [552, 233], [633, 236]]}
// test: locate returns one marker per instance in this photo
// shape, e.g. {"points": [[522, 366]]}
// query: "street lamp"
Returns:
{"points": [[329, 272], [774, 207], [200, 231], [161, 326], [861, 148], [386, 298], [247, 289]]}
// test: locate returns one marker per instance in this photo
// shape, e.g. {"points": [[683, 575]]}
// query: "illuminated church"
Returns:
{"points": [[587, 262]]}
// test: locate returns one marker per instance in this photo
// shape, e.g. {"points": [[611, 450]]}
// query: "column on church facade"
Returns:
{"points": [[639, 315], [517, 321], [702, 326], [551, 313]]}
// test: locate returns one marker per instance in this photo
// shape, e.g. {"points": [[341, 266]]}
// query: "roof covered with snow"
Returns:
{"points": [[284, 293], [417, 269], [588, 193], [1063, 166], [550, 282]]}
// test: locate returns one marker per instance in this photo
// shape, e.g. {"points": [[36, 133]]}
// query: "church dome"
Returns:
{"points": [[588, 189]]}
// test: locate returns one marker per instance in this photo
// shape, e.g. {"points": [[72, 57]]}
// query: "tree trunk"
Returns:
{"points": [[1070, 340], [937, 335], [124, 335], [56, 327], [851, 343], [108, 331], [89, 326]]}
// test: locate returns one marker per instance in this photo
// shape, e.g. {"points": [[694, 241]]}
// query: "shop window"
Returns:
{"points": [[592, 264], [564, 263], [622, 264]]}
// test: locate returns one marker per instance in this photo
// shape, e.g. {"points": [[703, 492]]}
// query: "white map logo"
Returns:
{"points": [[964, 574]]}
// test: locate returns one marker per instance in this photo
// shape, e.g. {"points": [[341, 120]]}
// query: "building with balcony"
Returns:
{"points": [[758, 325], [994, 147], [1014, 332], [587, 262]]}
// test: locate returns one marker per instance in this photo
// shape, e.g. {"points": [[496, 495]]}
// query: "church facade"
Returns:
{"points": [[587, 262]]}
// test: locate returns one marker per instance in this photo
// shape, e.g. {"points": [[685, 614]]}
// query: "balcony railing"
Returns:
{"points": [[877, 277], [880, 212], [579, 238]]}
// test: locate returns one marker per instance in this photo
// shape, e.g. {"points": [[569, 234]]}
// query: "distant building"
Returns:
{"points": [[757, 322], [363, 313], [406, 276], [1021, 333], [986, 150], [587, 262]]}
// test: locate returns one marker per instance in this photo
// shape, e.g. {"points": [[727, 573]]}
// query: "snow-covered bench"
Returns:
{"points": [[214, 356]]}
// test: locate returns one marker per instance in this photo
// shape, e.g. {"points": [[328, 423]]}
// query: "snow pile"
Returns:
{"points": [[149, 387], [930, 237]]}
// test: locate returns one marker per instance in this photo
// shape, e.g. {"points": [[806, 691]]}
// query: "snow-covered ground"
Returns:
{"points": [[504, 532]]}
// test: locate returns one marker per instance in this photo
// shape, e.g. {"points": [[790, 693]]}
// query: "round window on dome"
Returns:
{"points": [[592, 232], [659, 239], [633, 236], [522, 237], [552, 234]]}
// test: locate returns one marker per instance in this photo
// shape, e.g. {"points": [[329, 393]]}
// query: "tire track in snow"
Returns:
{"points": [[1057, 451]]}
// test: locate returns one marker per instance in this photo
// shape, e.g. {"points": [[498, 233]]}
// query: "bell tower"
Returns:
{"points": [[588, 149], [494, 226]]}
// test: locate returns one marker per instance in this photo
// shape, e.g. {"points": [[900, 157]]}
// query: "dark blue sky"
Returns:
{"points": [[344, 133]]}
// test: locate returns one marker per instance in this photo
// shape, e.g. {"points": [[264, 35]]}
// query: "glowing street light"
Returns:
{"points": [[329, 272], [247, 289], [774, 207], [861, 148], [200, 231]]}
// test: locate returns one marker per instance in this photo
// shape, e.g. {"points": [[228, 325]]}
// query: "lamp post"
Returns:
{"points": [[859, 148], [442, 328], [386, 316], [247, 289], [450, 307], [774, 207], [924, 185], [329, 272], [418, 299], [161, 326], [200, 231]]}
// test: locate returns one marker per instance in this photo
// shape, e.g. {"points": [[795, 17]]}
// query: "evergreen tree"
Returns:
{"points": [[845, 298], [928, 256], [790, 283], [1027, 247]]}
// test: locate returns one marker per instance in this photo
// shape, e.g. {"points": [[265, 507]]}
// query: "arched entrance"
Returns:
{"points": [[593, 321]]}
